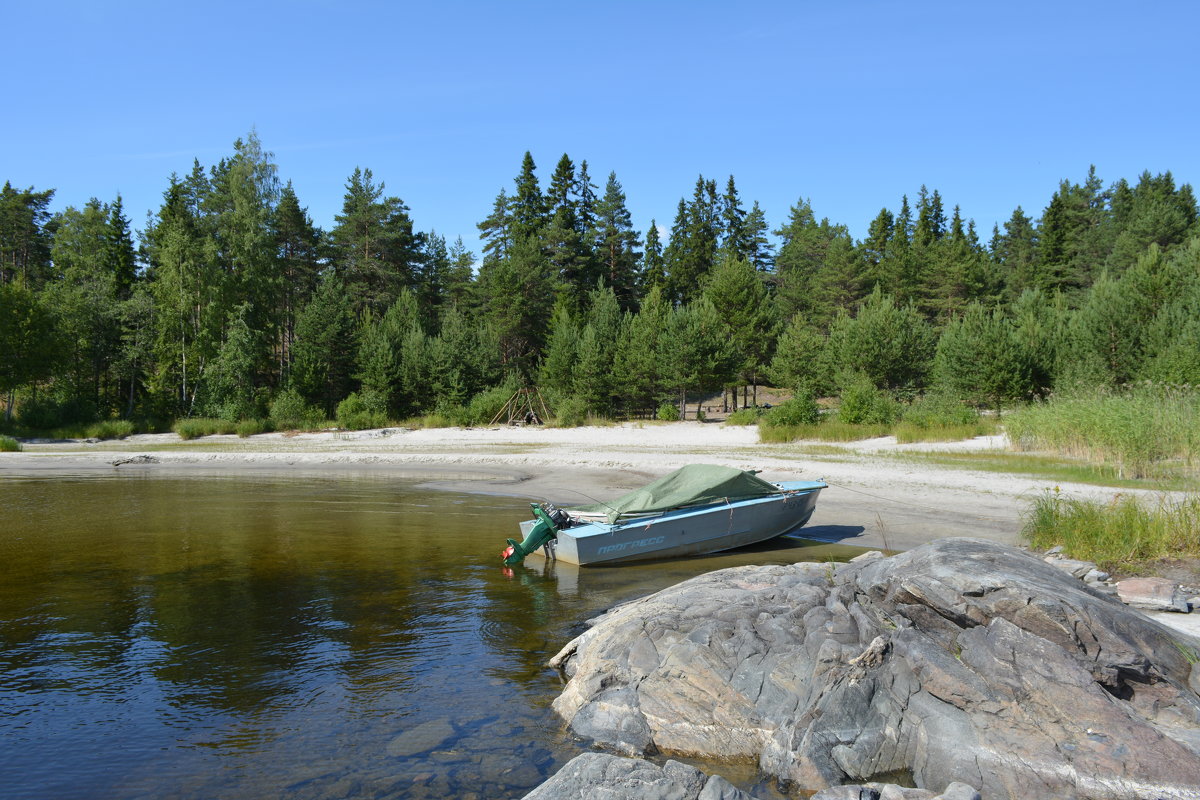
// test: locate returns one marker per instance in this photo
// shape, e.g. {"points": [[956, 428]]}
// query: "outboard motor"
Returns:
{"points": [[549, 520]]}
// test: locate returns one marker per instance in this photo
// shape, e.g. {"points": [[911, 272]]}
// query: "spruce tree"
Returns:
{"points": [[120, 258], [296, 242], [762, 251], [617, 244], [326, 346], [528, 208], [735, 238], [496, 230]]}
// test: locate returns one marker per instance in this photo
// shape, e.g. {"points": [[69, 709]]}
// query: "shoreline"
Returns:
{"points": [[874, 499]]}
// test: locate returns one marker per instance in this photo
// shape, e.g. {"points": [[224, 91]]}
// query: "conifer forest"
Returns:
{"points": [[230, 303]]}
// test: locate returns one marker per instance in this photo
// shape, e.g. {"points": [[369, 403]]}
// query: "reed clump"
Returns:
{"points": [[195, 427], [1143, 430], [9, 445], [1120, 531]]}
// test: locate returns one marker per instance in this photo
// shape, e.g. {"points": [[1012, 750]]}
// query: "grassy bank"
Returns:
{"points": [[1117, 533], [1144, 431]]}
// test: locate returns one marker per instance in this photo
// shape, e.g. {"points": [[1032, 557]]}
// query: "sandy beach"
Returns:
{"points": [[879, 494]]}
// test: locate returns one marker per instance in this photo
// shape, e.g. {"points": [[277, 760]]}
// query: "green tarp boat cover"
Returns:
{"points": [[693, 485]]}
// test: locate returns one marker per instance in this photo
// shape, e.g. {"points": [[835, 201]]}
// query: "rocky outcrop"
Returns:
{"points": [[962, 660], [593, 775]]}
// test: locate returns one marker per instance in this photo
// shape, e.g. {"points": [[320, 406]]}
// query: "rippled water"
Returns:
{"points": [[353, 637]]}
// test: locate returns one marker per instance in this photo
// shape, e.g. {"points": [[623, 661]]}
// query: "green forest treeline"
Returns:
{"points": [[231, 302]]}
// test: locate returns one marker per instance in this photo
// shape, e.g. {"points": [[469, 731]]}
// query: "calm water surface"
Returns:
{"points": [[351, 637]]}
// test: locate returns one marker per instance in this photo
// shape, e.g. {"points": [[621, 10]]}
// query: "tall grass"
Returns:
{"points": [[828, 431], [1120, 531], [110, 429], [195, 427], [907, 432], [9, 445], [1145, 430]]}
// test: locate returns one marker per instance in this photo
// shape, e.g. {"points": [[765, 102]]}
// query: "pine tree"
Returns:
{"points": [[891, 344], [699, 357], [1153, 212], [24, 240], [739, 296], [980, 359], [374, 246]]}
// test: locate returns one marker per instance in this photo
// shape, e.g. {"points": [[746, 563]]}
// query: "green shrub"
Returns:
{"points": [[863, 404], [939, 417], [570, 413], [939, 409], [362, 410], [45, 413], [9, 445], [195, 427], [251, 427], [744, 416], [800, 410], [110, 429], [668, 412], [289, 411], [485, 406]]}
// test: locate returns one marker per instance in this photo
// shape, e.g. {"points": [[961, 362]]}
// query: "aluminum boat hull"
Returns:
{"points": [[691, 531]]}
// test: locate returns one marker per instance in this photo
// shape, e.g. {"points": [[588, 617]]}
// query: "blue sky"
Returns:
{"points": [[849, 104]]}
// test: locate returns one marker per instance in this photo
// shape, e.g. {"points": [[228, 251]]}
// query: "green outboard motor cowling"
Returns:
{"points": [[543, 531]]}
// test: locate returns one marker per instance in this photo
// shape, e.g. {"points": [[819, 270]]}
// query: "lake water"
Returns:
{"points": [[248, 637]]}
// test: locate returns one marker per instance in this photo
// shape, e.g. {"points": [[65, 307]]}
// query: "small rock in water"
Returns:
{"points": [[421, 739]]}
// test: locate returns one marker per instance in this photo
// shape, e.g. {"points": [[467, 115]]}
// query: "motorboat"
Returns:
{"points": [[697, 509]]}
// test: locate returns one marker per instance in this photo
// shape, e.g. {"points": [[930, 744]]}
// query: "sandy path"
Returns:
{"points": [[876, 498]]}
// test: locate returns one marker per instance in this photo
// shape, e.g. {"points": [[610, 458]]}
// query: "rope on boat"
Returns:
{"points": [[914, 505]]}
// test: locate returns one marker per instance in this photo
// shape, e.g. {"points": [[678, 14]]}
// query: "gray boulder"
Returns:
{"points": [[962, 660], [593, 775]]}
